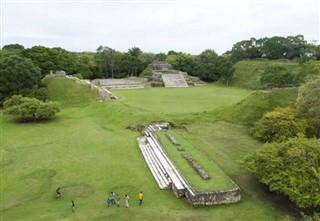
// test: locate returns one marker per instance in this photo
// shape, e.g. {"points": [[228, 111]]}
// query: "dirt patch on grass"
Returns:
{"points": [[77, 190]]}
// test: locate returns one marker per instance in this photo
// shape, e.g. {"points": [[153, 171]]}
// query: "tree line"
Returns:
{"points": [[276, 47]]}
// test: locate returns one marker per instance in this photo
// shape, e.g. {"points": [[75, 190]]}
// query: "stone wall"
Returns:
{"points": [[172, 139], [196, 166], [214, 198]]}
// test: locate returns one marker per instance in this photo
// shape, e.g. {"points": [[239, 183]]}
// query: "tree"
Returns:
{"points": [[86, 64], [26, 108], [13, 47], [18, 75], [308, 102], [279, 125], [135, 62], [291, 168], [226, 70], [51, 59], [246, 49], [182, 62], [207, 65]]}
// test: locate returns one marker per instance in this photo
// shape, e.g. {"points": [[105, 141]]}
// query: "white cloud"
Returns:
{"points": [[156, 26]]}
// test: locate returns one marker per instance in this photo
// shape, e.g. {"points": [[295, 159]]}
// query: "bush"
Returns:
{"points": [[279, 125], [26, 108], [291, 168]]}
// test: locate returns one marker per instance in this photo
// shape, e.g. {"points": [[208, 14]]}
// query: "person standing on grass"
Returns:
{"points": [[58, 193], [126, 201], [140, 198], [118, 200], [112, 197], [73, 205], [108, 202]]}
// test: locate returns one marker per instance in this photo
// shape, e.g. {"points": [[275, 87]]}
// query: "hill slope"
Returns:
{"points": [[248, 72]]}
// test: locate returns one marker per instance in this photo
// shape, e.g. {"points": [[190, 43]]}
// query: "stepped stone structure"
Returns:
{"points": [[167, 175], [161, 73], [174, 80], [157, 74]]}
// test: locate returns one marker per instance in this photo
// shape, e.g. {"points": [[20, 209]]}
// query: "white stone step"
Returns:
{"points": [[168, 167], [174, 174], [156, 168], [174, 80]]}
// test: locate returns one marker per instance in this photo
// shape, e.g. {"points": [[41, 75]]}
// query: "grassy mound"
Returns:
{"points": [[248, 72], [252, 108]]}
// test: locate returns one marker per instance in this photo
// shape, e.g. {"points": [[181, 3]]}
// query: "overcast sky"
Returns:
{"points": [[154, 26]]}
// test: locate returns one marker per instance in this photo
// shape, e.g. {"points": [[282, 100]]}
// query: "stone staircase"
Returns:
{"points": [[161, 167], [174, 80]]}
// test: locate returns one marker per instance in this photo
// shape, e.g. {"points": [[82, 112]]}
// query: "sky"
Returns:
{"points": [[154, 25]]}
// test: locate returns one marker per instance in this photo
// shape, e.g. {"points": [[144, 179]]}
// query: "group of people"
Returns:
{"points": [[113, 199], [58, 195]]}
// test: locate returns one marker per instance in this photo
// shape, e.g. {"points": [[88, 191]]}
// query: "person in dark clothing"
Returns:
{"points": [[73, 205], [58, 193]]}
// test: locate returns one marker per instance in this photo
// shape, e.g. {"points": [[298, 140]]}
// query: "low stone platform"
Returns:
{"points": [[167, 175], [123, 83]]}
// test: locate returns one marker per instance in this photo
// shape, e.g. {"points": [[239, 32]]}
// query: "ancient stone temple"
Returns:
{"points": [[161, 73], [157, 74]]}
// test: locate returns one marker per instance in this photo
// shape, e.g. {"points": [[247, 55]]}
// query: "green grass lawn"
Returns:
{"points": [[218, 180], [181, 100], [88, 151]]}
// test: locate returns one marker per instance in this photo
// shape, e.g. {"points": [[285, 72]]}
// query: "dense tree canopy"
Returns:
{"points": [[276, 47], [308, 102], [51, 59], [207, 65], [291, 168], [279, 125], [18, 75]]}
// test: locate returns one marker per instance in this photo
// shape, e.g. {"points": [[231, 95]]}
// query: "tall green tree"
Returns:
{"points": [[291, 168], [226, 69], [136, 66], [182, 62], [207, 65], [18, 75], [86, 64], [308, 102]]}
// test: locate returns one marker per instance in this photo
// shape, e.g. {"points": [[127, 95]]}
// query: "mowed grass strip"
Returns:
{"points": [[218, 179], [181, 100]]}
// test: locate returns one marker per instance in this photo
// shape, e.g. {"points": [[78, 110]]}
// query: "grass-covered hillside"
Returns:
{"points": [[88, 151], [248, 72]]}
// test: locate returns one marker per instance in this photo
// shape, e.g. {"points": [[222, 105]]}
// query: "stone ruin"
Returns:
{"points": [[58, 73], [157, 74], [167, 175], [162, 74]]}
